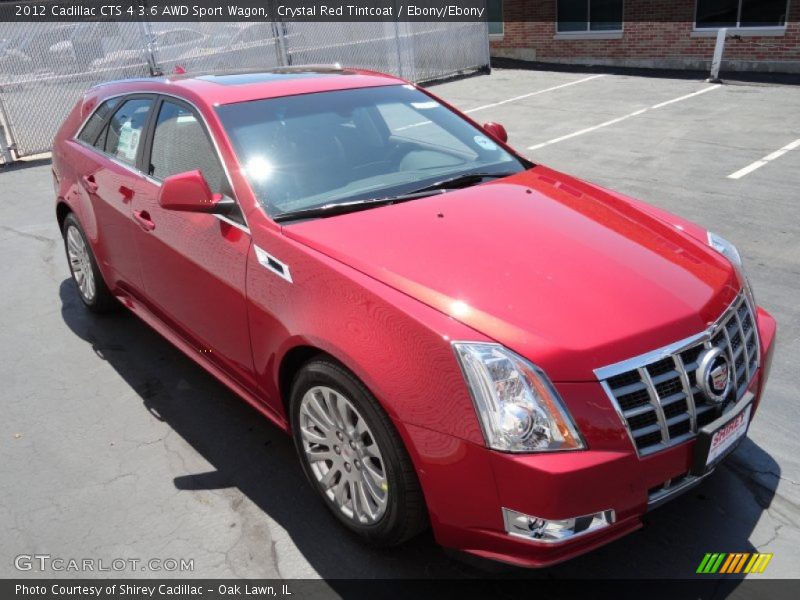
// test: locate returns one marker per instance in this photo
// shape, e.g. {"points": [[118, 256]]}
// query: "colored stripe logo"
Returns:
{"points": [[734, 562]]}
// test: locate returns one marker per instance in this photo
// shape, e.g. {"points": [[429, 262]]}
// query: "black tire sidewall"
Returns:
{"points": [[330, 374]]}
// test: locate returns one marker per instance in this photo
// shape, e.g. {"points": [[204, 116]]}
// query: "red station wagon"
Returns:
{"points": [[453, 335]]}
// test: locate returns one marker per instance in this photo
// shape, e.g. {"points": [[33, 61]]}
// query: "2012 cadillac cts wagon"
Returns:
{"points": [[452, 334]]}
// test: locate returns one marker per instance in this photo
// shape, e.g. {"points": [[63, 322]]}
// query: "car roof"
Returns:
{"points": [[242, 86]]}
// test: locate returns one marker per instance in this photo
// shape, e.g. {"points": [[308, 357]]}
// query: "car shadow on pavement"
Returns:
{"points": [[249, 453]]}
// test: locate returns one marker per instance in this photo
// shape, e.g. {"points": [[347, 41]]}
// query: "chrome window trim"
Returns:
{"points": [[94, 110], [112, 158], [133, 169]]}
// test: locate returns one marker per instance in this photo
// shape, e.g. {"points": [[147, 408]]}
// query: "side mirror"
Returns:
{"points": [[188, 192], [497, 131]]}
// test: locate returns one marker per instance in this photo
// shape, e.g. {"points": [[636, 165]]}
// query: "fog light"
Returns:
{"points": [[553, 531]]}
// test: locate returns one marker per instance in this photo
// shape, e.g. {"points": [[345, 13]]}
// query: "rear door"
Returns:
{"points": [[110, 144], [194, 264]]}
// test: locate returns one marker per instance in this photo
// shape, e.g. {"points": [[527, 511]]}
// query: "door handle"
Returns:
{"points": [[127, 193], [89, 183], [143, 219]]}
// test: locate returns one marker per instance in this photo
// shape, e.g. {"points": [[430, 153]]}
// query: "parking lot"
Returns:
{"points": [[113, 444]]}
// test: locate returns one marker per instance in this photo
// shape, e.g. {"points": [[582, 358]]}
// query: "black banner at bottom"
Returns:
{"points": [[710, 588]]}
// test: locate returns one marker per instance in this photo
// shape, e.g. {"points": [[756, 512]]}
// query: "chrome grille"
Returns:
{"points": [[656, 394]]}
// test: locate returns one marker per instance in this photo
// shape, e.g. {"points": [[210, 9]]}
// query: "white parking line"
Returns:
{"points": [[761, 162], [514, 99], [530, 95], [622, 118]]}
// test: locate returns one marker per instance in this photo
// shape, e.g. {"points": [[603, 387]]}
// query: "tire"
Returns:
{"points": [[92, 289], [323, 391]]}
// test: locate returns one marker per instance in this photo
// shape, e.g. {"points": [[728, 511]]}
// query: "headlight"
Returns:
{"points": [[518, 408], [729, 251]]}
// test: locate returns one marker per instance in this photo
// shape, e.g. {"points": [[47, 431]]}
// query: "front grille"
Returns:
{"points": [[657, 395]]}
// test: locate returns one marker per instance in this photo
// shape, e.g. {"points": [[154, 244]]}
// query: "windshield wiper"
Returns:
{"points": [[340, 208], [463, 180]]}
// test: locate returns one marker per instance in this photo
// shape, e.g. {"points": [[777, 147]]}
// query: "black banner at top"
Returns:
{"points": [[243, 10]]}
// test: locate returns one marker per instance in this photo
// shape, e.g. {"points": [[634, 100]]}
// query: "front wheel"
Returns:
{"points": [[352, 454]]}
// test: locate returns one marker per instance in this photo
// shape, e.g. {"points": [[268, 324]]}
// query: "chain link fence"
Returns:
{"points": [[45, 67]]}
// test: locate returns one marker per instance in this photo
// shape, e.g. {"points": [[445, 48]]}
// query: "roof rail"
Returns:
{"points": [[311, 67]]}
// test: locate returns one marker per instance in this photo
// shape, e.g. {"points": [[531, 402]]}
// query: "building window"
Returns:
{"points": [[589, 15], [741, 13], [495, 14]]}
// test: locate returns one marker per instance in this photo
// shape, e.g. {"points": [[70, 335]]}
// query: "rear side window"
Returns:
{"points": [[92, 132], [125, 131], [180, 144]]}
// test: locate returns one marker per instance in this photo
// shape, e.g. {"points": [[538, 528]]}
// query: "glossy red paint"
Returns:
{"points": [[567, 274], [497, 131]]}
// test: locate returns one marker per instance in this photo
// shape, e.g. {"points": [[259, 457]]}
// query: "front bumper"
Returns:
{"points": [[467, 486]]}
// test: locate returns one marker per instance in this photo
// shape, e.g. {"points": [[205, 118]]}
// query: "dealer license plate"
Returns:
{"points": [[718, 439]]}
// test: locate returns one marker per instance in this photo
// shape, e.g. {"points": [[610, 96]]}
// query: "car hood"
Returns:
{"points": [[569, 275]]}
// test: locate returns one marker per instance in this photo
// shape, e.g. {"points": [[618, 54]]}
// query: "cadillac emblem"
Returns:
{"points": [[714, 375]]}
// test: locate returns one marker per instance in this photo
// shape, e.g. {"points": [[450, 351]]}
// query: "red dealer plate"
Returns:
{"points": [[719, 438]]}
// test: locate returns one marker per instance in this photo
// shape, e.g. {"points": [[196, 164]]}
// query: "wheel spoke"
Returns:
{"points": [[310, 413], [317, 455], [364, 500], [329, 478], [340, 493], [318, 404], [312, 436], [360, 503], [372, 485], [344, 414], [371, 449], [333, 404]]}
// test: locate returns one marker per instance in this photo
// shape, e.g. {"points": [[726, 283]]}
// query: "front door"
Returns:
{"points": [[194, 264]]}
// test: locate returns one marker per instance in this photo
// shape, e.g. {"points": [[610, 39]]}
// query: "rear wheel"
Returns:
{"points": [[92, 288], [353, 456]]}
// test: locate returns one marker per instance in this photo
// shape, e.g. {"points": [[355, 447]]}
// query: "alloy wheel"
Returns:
{"points": [[80, 263], [343, 455]]}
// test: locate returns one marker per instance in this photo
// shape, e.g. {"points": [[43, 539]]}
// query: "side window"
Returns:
{"points": [[95, 126], [180, 144], [126, 128]]}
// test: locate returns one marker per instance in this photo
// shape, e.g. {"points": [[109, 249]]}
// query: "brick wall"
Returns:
{"points": [[656, 33]]}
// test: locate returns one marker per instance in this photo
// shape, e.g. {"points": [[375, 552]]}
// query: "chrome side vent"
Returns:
{"points": [[271, 263]]}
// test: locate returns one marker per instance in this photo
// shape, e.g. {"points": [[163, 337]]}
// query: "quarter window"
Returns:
{"points": [[126, 129], [92, 132], [180, 144], [741, 13], [589, 15]]}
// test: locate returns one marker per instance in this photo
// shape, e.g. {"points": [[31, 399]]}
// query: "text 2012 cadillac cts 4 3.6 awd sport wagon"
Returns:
{"points": [[452, 334]]}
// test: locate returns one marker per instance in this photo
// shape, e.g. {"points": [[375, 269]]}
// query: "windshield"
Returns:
{"points": [[326, 148]]}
